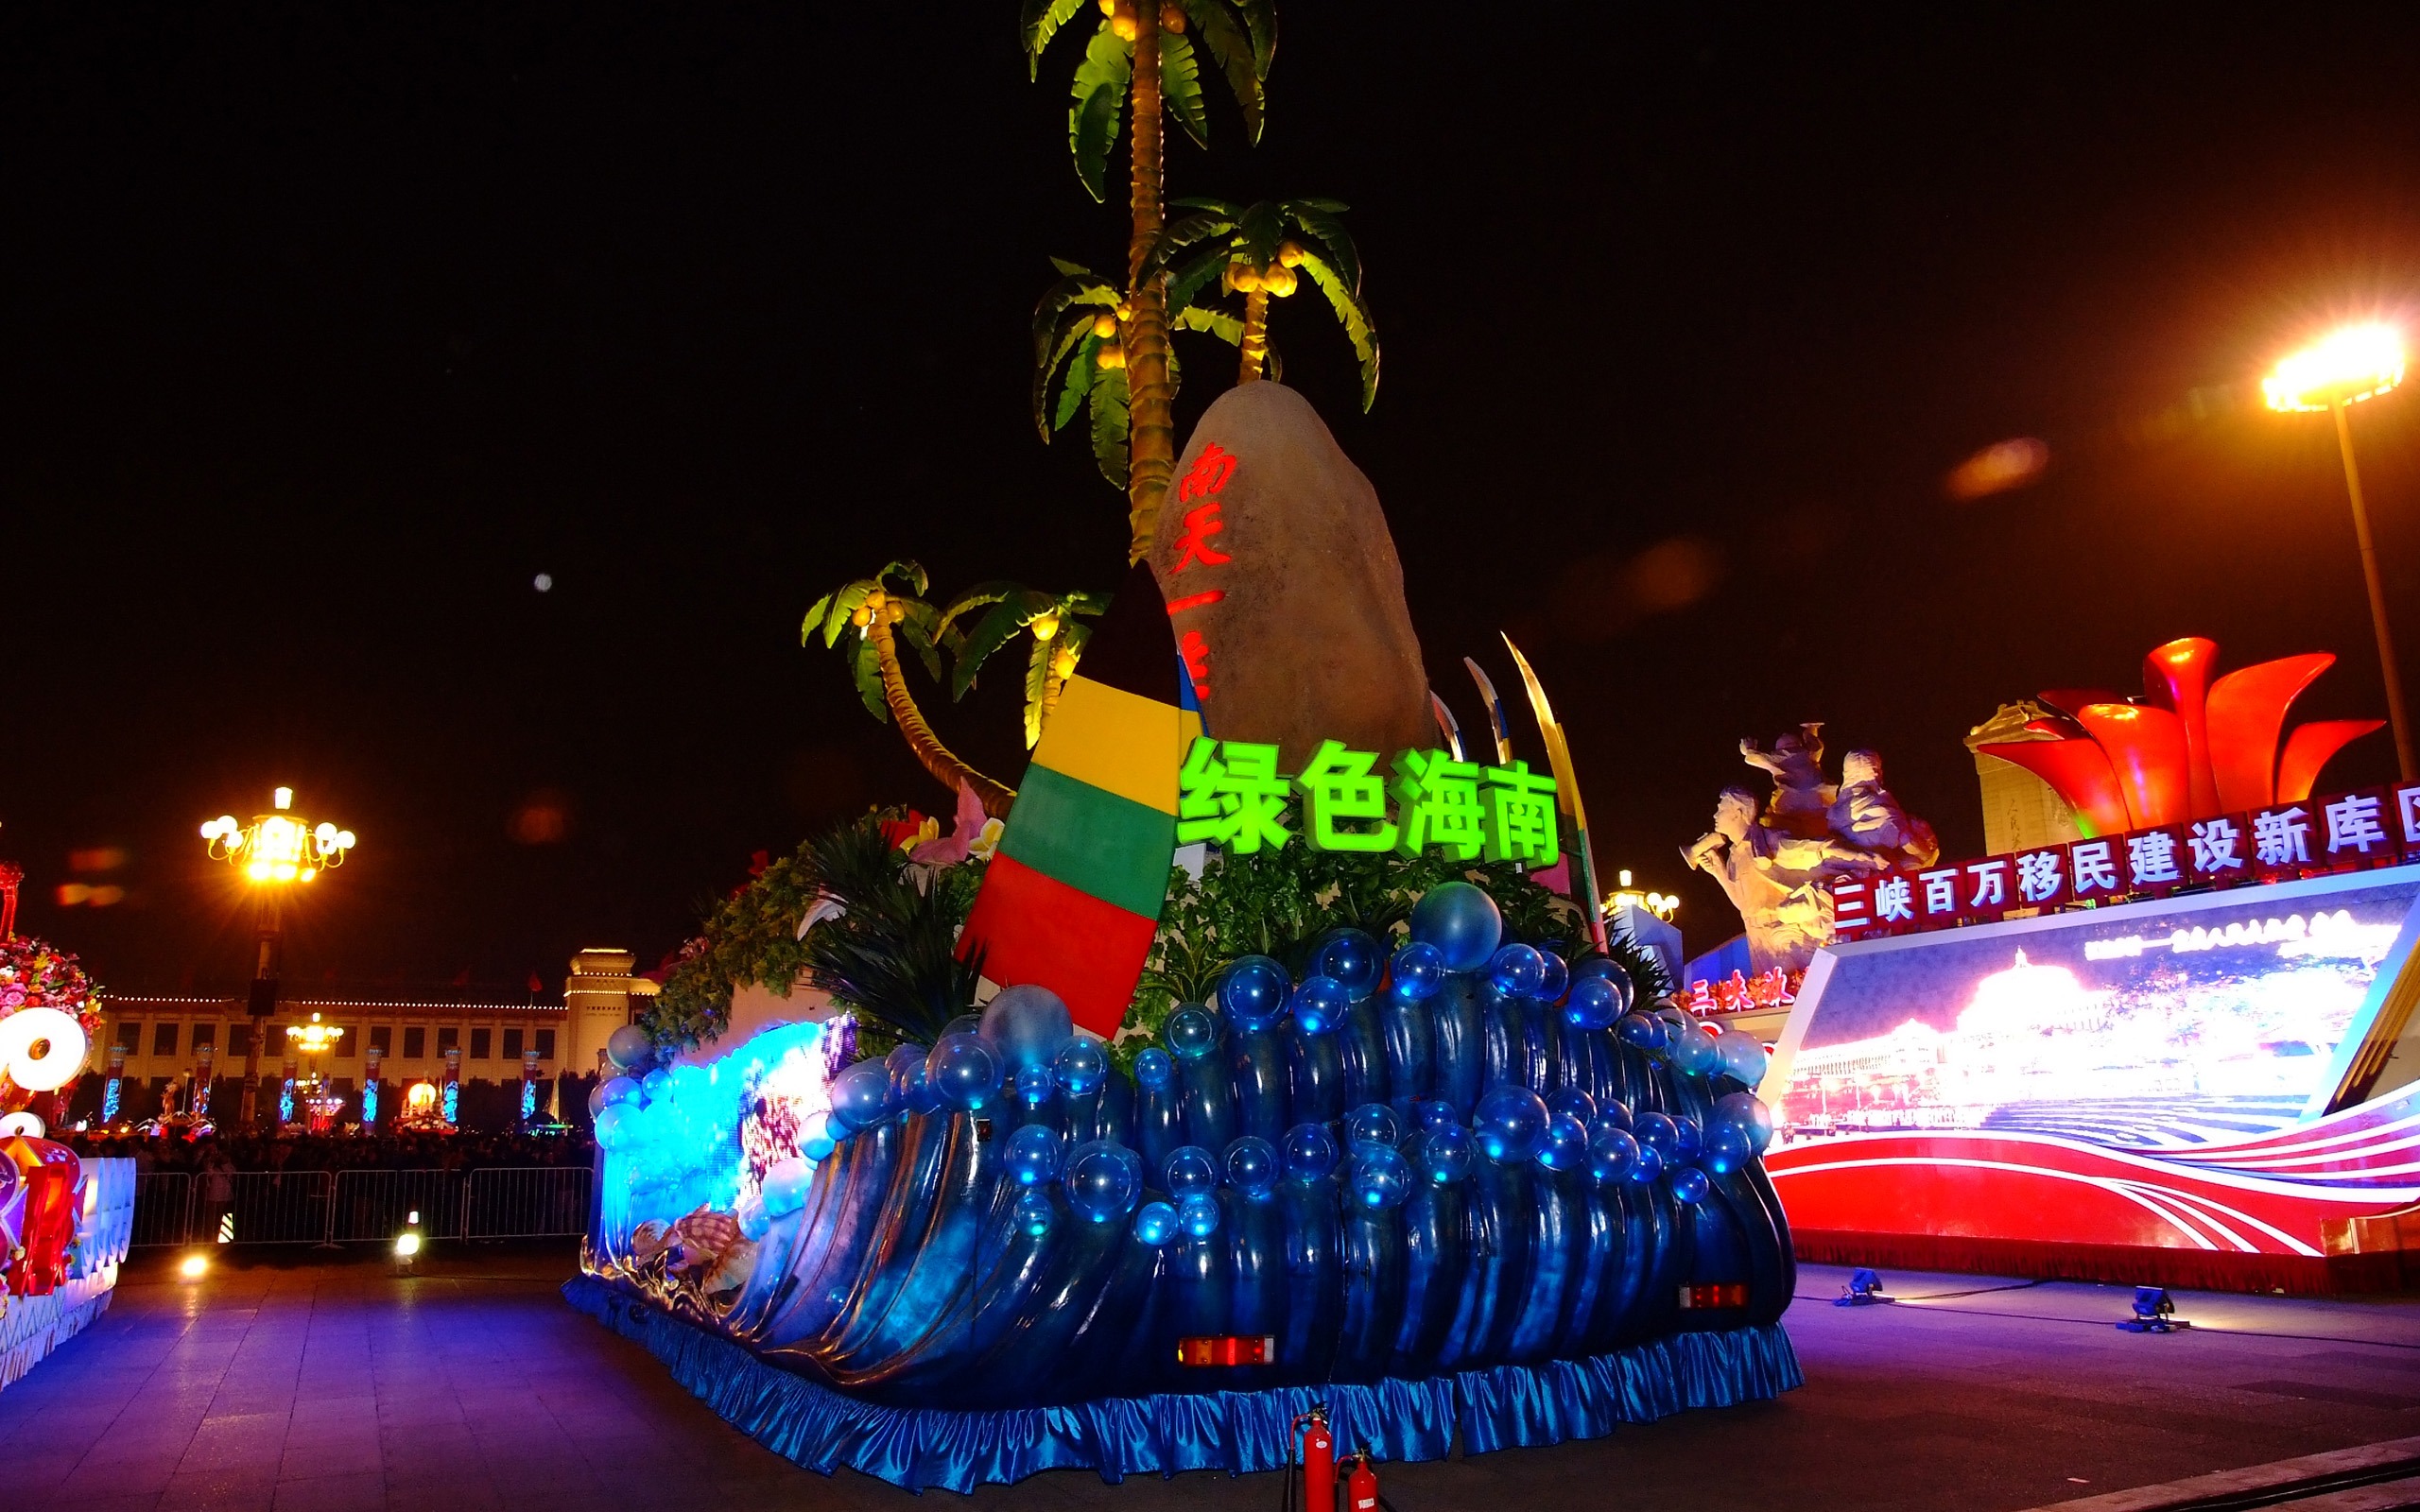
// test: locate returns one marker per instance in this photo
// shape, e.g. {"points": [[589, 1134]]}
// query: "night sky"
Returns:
{"points": [[328, 329]]}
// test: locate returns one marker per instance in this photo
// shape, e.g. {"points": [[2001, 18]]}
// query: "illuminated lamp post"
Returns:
{"points": [[275, 852], [314, 1040], [2354, 363]]}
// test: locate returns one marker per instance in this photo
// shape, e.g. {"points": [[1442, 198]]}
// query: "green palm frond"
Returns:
{"points": [[1099, 95], [1233, 49], [1353, 317], [1227, 328], [1042, 21], [1010, 615], [1181, 87], [1109, 423], [865, 670]]}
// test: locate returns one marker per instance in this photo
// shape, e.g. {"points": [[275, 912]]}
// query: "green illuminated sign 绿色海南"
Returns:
{"points": [[1231, 794]]}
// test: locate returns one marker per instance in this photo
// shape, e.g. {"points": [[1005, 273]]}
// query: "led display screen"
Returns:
{"points": [[2159, 1025]]}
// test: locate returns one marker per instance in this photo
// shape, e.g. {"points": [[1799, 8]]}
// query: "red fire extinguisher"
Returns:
{"points": [[1319, 1460], [1361, 1488]]}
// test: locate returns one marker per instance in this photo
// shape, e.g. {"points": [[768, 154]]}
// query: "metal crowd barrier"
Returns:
{"points": [[162, 1205], [352, 1207]]}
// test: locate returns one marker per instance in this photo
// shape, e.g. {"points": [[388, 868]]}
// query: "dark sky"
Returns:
{"points": [[328, 328]]}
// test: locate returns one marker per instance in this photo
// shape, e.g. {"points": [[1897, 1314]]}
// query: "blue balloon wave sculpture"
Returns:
{"points": [[1458, 1158]]}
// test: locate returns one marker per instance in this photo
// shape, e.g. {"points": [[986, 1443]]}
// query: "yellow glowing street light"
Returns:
{"points": [[313, 1039], [2356, 363], [276, 850]]}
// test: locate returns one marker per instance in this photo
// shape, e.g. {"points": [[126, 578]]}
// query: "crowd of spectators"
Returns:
{"points": [[465, 1151]]}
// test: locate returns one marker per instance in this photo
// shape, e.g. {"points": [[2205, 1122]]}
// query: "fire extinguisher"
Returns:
{"points": [[1317, 1447], [1361, 1487]]}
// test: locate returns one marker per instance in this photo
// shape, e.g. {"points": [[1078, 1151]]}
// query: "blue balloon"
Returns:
{"points": [[1658, 1133], [1727, 1147], [1027, 1024], [1605, 969], [1612, 1155], [1749, 1114], [1190, 1032], [1516, 972], [657, 1084], [1081, 1066], [615, 1090], [1253, 993], [1434, 1112], [1418, 971], [1373, 1124], [1615, 1111], [1690, 1184], [1351, 958], [785, 1186], [1461, 920], [907, 1064], [1311, 1152], [1509, 1122], [1034, 1085], [862, 1094], [1445, 1154], [1650, 1166], [962, 1070], [1642, 1031], [1190, 1169], [1153, 1068], [1252, 1164], [1380, 1177], [1031, 1156], [1034, 1213], [1694, 1052], [1565, 1145], [964, 1024], [1689, 1138], [1573, 1101], [1197, 1213], [1100, 1183], [817, 1147], [1319, 1005], [1592, 1004], [629, 1048], [613, 1125], [1743, 1056], [1557, 980], [1155, 1223]]}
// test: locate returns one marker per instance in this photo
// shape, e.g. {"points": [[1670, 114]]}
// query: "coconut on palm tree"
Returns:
{"points": [[1142, 50], [1055, 621], [1264, 252], [885, 610]]}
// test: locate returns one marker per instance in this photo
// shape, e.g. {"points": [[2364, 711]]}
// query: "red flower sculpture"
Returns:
{"points": [[2190, 749]]}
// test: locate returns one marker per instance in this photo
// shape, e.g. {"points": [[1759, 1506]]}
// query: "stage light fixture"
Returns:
{"points": [[1863, 1290], [2154, 1313]]}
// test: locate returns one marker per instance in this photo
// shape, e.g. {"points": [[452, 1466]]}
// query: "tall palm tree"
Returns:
{"points": [[883, 616], [1262, 250], [1141, 49], [1074, 333], [1054, 620]]}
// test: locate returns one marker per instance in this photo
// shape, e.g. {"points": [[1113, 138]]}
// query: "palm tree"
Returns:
{"points": [[1053, 621], [1259, 251], [1142, 50], [1075, 333], [883, 616]]}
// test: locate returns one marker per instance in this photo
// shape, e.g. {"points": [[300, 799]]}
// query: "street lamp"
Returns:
{"points": [[276, 850], [2357, 363]]}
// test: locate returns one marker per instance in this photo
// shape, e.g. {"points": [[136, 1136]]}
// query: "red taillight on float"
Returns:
{"points": [[1714, 1294], [1228, 1348]]}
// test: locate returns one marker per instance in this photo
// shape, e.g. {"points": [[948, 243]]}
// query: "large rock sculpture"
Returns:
{"points": [[1776, 858], [1283, 584]]}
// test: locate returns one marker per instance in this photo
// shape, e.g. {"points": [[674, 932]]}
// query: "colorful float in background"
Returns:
{"points": [[1460, 1187], [2176, 1049]]}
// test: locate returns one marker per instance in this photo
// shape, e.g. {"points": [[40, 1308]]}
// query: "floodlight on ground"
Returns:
{"points": [[1863, 1290], [194, 1267], [2154, 1313]]}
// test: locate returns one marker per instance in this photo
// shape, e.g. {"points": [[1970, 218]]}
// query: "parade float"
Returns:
{"points": [[1257, 1072], [64, 1220], [2169, 1043]]}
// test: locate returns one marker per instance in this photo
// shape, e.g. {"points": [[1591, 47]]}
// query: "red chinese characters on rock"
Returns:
{"points": [[1209, 475], [2373, 827]]}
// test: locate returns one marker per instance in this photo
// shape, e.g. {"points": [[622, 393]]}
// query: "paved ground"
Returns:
{"points": [[288, 1382]]}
